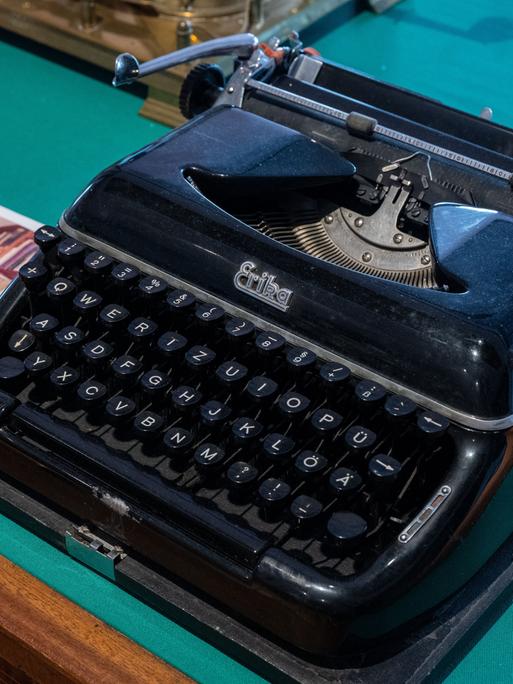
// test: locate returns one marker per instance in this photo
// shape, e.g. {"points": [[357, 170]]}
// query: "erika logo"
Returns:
{"points": [[262, 286]]}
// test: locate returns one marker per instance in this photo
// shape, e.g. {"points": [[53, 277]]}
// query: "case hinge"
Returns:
{"points": [[93, 551]]}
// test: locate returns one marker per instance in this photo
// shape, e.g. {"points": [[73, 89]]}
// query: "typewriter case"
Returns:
{"points": [[436, 338]]}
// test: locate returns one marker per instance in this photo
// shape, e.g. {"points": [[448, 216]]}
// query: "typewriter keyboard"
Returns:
{"points": [[243, 438]]}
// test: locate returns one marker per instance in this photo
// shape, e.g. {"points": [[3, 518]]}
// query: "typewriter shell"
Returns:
{"points": [[451, 348]]}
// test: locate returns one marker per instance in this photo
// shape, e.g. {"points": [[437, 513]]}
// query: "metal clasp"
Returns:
{"points": [[93, 551]]}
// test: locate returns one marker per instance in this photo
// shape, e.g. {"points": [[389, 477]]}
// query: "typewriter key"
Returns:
{"points": [[345, 530], [126, 370], [171, 345], [21, 342], [87, 303], [384, 470], [177, 441], [119, 409], [70, 251], [43, 325], [37, 364], [273, 494], [309, 465], [209, 457], [241, 477], [147, 425], [11, 370], [398, 408], [359, 439], [97, 263], [432, 424], [64, 379], [47, 237], [91, 394], [124, 275], [344, 482], [278, 448], [69, 339], [305, 511], [214, 414], [34, 275], [60, 290]]}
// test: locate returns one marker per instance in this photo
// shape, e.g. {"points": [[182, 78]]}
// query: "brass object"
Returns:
{"points": [[97, 30]]}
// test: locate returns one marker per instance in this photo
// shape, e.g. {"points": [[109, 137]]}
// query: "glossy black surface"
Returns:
{"points": [[453, 347]]}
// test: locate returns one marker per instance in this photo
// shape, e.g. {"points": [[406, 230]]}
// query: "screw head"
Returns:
{"points": [[403, 537], [398, 238], [230, 90], [358, 222], [329, 218], [366, 257], [425, 260]]}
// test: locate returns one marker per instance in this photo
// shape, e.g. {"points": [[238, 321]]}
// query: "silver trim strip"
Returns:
{"points": [[342, 116], [465, 419]]}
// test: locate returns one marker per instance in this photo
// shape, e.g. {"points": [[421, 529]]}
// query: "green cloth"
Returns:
{"points": [[59, 127]]}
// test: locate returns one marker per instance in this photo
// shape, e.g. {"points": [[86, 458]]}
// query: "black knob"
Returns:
{"points": [[200, 89]]}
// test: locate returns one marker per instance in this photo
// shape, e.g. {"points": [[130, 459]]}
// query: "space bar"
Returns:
{"points": [[208, 526]]}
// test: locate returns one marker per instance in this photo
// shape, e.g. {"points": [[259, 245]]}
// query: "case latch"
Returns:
{"points": [[93, 551]]}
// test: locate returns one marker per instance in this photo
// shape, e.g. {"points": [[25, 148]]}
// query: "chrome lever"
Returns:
{"points": [[127, 68]]}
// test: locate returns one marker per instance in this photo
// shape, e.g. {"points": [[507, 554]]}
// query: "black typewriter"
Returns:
{"points": [[270, 353]]}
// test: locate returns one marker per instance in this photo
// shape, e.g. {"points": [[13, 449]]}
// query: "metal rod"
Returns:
{"points": [[127, 68]]}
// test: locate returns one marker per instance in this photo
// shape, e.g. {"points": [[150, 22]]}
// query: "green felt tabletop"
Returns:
{"points": [[59, 127]]}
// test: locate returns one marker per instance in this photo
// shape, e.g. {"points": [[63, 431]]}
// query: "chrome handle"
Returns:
{"points": [[127, 68]]}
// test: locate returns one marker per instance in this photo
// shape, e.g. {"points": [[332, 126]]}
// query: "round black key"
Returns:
{"points": [[119, 409], [345, 530], [209, 457], [171, 345], [309, 465], [293, 405], [98, 263], [91, 393], [34, 275], [334, 374], [87, 302], [126, 369], [261, 389], [241, 477], [70, 251], [97, 353], [185, 398], [432, 424], [113, 316], [399, 408], [239, 330], [384, 469], [124, 275], [359, 439], [151, 288], [300, 359], [37, 364], [180, 301], [277, 447], [11, 369], [64, 379], [344, 481], [69, 339], [154, 384], [47, 237], [43, 325], [245, 430], [60, 290], [231, 373], [325, 421], [177, 441], [21, 342], [142, 330], [200, 358], [214, 414], [147, 425], [305, 511], [369, 394], [269, 343], [273, 494], [209, 315]]}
